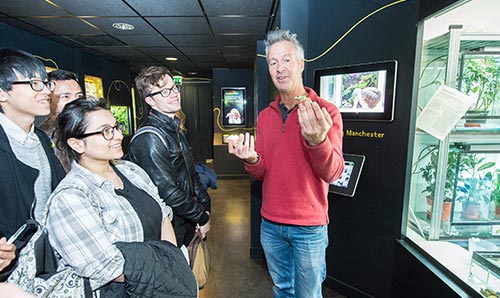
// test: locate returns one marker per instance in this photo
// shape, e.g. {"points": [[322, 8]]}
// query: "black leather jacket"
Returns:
{"points": [[172, 170]]}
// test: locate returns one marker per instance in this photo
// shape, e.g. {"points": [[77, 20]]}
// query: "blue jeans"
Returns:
{"points": [[296, 258]]}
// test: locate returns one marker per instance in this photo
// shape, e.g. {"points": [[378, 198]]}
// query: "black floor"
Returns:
{"points": [[234, 273]]}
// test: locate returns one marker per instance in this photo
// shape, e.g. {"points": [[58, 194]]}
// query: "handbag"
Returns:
{"points": [[199, 259], [36, 271]]}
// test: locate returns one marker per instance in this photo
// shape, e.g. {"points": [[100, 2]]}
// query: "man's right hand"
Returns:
{"points": [[244, 148], [7, 253], [204, 229]]}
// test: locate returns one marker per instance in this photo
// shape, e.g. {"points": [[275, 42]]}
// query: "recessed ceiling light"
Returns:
{"points": [[171, 59], [192, 73], [123, 26]]}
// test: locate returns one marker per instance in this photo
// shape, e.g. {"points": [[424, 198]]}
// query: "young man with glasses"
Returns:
{"points": [[66, 90], [160, 147], [30, 169]]}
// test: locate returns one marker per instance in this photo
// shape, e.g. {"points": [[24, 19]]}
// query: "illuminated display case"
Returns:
{"points": [[455, 182]]}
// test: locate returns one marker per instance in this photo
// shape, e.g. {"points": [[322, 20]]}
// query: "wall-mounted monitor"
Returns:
{"points": [[346, 184], [234, 106], [122, 115], [93, 86], [360, 92]]}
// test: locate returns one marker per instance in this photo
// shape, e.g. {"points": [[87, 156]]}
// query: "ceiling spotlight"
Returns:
{"points": [[171, 59], [123, 26]]}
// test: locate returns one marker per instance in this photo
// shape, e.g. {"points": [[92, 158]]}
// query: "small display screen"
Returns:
{"points": [[343, 181], [234, 105], [347, 183], [360, 92]]}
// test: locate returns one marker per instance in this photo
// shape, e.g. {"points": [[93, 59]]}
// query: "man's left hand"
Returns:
{"points": [[315, 122]]}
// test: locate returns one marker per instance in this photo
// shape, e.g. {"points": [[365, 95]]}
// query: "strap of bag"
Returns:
{"points": [[150, 129]]}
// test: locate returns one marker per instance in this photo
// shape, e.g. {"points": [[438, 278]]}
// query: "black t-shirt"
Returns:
{"points": [[146, 207]]}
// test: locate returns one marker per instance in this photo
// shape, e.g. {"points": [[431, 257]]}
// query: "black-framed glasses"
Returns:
{"points": [[37, 85], [166, 92], [108, 132]]}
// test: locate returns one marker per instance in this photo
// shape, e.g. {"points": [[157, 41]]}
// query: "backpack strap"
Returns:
{"points": [[150, 129]]}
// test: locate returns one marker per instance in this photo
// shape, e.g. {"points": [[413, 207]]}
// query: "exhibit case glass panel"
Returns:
{"points": [[454, 197]]}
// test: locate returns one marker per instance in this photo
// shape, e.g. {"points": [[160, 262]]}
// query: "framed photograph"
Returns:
{"points": [[360, 92], [122, 114], [234, 106], [93, 86]]}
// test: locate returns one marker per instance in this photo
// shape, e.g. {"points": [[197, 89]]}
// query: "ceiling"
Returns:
{"points": [[201, 34]]}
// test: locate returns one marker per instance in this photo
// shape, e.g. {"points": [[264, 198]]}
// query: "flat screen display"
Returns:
{"points": [[234, 104], [347, 183], [360, 92]]}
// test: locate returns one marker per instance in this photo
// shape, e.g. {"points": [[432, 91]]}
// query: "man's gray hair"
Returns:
{"points": [[284, 35]]}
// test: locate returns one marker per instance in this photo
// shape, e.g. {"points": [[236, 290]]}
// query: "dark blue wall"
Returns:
{"points": [[71, 59]]}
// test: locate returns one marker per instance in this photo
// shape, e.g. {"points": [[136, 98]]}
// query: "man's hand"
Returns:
{"points": [[244, 148], [315, 122], [7, 253], [204, 229]]}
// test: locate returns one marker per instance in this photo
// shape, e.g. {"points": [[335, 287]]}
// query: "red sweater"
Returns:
{"points": [[296, 176]]}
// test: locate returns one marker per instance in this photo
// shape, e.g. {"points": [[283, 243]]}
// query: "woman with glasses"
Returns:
{"points": [[103, 201]]}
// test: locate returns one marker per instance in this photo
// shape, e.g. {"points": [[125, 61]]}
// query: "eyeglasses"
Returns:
{"points": [[166, 92], [108, 132], [37, 85]]}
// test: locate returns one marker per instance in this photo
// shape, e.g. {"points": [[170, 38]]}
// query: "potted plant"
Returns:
{"points": [[428, 173], [476, 186], [495, 194], [481, 79]]}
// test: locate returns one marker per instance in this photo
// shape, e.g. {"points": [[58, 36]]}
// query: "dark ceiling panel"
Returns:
{"points": [[106, 25], [95, 8], [65, 41], [25, 26], [63, 26], [138, 40], [215, 59], [251, 25], [242, 51], [202, 34], [180, 25], [241, 8], [28, 8], [166, 7], [160, 51], [95, 40], [199, 50], [192, 40], [120, 52], [225, 40]]}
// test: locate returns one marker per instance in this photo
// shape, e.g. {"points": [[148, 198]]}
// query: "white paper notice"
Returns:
{"points": [[443, 111]]}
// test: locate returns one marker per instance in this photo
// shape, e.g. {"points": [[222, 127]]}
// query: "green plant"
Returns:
{"points": [[495, 194], [481, 77], [477, 185], [428, 171]]}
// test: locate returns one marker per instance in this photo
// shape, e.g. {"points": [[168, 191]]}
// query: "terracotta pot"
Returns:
{"points": [[445, 212], [497, 211]]}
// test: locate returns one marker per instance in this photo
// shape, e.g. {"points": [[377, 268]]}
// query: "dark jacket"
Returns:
{"points": [[17, 181], [153, 269], [172, 171]]}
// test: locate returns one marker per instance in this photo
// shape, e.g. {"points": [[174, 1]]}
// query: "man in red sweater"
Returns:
{"points": [[297, 153]]}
